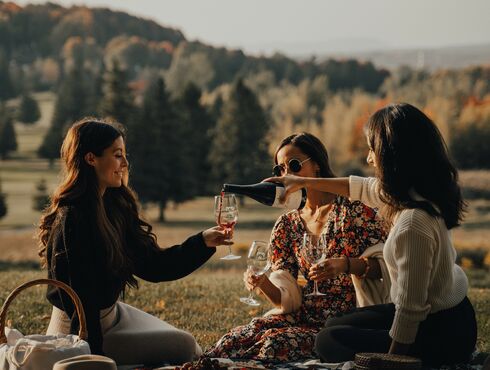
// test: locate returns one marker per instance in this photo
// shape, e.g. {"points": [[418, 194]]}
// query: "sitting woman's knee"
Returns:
{"points": [[334, 321], [186, 346], [329, 345]]}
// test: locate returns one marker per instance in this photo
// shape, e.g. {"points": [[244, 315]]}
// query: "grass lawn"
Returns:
{"points": [[204, 303]]}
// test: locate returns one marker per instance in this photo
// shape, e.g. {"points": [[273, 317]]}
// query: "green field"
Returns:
{"points": [[205, 303]]}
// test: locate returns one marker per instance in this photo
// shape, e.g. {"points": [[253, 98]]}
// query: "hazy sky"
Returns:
{"points": [[315, 26]]}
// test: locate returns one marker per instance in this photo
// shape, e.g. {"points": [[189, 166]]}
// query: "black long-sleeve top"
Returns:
{"points": [[76, 257]]}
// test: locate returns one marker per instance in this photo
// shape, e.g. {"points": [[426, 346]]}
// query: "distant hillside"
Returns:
{"points": [[430, 59], [38, 41], [33, 31]]}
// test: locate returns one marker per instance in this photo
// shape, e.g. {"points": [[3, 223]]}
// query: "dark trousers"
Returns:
{"points": [[444, 337]]}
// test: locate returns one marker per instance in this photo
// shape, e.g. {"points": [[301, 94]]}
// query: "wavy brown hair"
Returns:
{"points": [[411, 155], [311, 146], [115, 214]]}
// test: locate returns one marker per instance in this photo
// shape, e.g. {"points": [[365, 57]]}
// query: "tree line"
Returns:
{"points": [[177, 147]]}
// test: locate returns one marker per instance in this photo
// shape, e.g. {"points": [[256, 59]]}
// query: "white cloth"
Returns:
{"points": [[420, 258], [291, 297], [373, 291], [38, 352]]}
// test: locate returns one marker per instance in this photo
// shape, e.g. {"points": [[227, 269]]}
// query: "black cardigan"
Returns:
{"points": [[75, 257]]}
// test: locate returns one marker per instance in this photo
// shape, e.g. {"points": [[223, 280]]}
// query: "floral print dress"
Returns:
{"points": [[351, 227]]}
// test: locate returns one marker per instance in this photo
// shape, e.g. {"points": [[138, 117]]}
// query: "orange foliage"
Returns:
{"points": [[167, 46], [138, 86], [473, 101], [10, 7], [358, 145], [84, 16], [55, 13], [70, 44]]}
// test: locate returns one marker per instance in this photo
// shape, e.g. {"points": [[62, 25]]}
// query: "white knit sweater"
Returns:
{"points": [[420, 258]]}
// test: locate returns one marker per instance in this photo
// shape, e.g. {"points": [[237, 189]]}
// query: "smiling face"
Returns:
{"points": [[111, 167], [308, 168]]}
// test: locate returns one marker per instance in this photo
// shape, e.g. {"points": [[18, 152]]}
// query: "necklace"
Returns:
{"points": [[318, 217]]}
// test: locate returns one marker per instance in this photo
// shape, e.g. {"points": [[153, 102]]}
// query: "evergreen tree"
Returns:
{"points": [[3, 202], [6, 86], [8, 140], [95, 93], [70, 106], [155, 145], [117, 102], [28, 110], [239, 153], [41, 199], [198, 126]]}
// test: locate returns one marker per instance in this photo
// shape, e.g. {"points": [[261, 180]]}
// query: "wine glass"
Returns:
{"points": [[313, 251], [226, 213], [258, 263]]}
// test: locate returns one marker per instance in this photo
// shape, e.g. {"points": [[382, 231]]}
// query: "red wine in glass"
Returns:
{"points": [[226, 213]]}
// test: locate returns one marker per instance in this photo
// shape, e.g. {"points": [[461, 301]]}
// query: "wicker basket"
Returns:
{"points": [[385, 361], [76, 301]]}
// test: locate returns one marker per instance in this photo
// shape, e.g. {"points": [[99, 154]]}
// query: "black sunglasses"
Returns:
{"points": [[294, 165]]}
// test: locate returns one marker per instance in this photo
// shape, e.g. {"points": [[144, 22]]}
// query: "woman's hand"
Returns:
{"points": [[328, 269], [217, 236], [253, 281], [291, 184]]}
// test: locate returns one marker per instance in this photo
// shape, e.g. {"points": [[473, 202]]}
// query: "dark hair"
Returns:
{"points": [[115, 213], [311, 146], [411, 155]]}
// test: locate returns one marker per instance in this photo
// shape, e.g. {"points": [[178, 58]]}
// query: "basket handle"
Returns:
{"points": [[82, 333]]}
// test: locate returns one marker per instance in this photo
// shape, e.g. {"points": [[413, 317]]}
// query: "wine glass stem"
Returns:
{"points": [[316, 288], [229, 249]]}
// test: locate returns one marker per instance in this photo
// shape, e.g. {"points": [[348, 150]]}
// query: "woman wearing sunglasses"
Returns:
{"points": [[288, 332], [417, 192]]}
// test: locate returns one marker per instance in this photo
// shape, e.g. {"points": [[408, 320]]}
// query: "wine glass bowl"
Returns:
{"points": [[226, 215], [313, 251], [258, 264]]}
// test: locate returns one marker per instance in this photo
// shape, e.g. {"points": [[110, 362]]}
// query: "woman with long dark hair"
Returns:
{"points": [[417, 192], [92, 238], [288, 332]]}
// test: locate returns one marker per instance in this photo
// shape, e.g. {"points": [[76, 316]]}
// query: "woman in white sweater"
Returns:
{"points": [[416, 191]]}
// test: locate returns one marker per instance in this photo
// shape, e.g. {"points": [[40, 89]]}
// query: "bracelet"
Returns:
{"points": [[368, 267], [347, 271]]}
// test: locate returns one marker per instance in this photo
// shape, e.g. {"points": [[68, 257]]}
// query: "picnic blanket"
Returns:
{"points": [[476, 363]]}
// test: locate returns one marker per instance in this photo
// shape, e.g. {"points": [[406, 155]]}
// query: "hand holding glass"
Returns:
{"points": [[313, 251], [258, 264], [226, 214]]}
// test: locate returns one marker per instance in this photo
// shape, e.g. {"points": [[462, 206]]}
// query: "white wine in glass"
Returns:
{"points": [[258, 264], [313, 250]]}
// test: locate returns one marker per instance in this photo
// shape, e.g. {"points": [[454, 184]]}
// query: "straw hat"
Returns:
{"points": [[86, 362]]}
